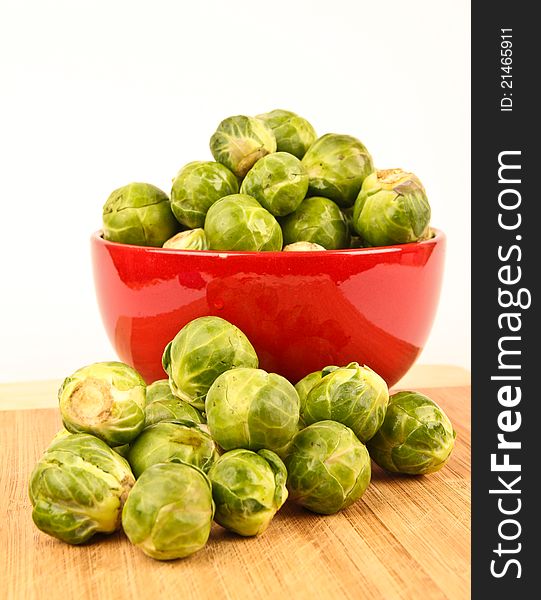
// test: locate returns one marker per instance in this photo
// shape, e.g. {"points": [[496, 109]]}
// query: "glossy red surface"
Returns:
{"points": [[300, 310]]}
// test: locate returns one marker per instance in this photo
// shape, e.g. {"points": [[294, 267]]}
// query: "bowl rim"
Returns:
{"points": [[437, 238]]}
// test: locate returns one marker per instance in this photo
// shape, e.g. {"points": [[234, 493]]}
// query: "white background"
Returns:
{"points": [[97, 94]]}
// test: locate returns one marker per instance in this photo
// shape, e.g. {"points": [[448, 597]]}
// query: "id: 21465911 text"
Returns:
{"points": [[506, 69]]}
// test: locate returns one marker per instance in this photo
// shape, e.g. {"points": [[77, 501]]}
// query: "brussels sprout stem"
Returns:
{"points": [[91, 401], [392, 176]]}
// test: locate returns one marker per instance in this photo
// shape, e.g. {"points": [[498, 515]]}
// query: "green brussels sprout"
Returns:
{"points": [[78, 488], [171, 409], [293, 133], [158, 390], [354, 396], [239, 142], [169, 511], [202, 350], [416, 436], [166, 406], [303, 247], [172, 441], [309, 381], [140, 214], [278, 182], [239, 222], [328, 467], [305, 385], [196, 188], [317, 220], [248, 489], [252, 409], [337, 165], [106, 399], [392, 208], [192, 239]]}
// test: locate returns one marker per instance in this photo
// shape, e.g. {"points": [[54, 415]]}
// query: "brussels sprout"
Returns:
{"points": [[278, 182], [196, 188], [293, 133], [168, 513], [416, 437], [305, 385], [309, 381], [202, 350], [166, 406], [392, 208], [78, 488], [317, 220], [328, 467], [158, 390], [193, 239], [239, 142], [138, 213], [172, 441], [337, 166], [354, 396], [171, 409], [252, 409], [105, 399], [248, 489], [303, 247], [239, 222]]}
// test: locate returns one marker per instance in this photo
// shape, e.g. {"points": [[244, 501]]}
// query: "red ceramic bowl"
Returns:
{"points": [[300, 310]]}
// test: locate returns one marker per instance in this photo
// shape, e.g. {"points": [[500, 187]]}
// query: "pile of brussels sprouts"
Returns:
{"points": [[221, 440], [274, 185]]}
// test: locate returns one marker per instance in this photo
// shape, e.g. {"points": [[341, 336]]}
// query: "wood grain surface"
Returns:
{"points": [[406, 538]]}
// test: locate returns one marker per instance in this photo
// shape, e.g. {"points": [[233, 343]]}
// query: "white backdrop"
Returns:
{"points": [[97, 94]]}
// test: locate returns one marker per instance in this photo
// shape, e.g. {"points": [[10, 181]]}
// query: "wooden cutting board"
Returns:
{"points": [[407, 537]]}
